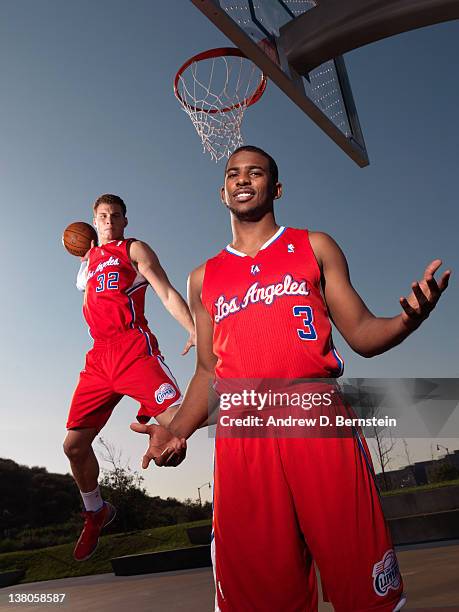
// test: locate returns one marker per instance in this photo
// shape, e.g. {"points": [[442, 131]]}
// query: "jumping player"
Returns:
{"points": [[262, 309], [125, 358]]}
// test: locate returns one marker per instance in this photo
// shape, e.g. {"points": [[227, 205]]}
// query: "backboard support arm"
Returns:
{"points": [[335, 27]]}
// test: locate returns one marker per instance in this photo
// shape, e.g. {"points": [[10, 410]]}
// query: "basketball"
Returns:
{"points": [[77, 238]]}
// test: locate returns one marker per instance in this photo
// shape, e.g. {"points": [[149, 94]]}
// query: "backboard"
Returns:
{"points": [[324, 93]]}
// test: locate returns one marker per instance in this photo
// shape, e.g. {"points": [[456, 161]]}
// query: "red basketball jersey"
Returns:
{"points": [[269, 316], [115, 292]]}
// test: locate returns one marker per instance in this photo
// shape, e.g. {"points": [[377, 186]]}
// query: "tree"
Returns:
{"points": [[443, 472], [33, 497], [123, 488], [367, 399], [383, 445]]}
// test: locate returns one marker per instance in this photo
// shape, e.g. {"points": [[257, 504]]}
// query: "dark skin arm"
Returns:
{"points": [[366, 334]]}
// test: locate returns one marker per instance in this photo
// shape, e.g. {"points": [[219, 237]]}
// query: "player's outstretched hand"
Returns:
{"points": [[190, 342], [86, 255], [164, 448], [424, 296]]}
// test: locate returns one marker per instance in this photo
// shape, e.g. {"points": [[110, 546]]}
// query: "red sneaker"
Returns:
{"points": [[94, 522]]}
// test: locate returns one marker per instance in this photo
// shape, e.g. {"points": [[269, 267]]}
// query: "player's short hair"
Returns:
{"points": [[109, 198], [273, 169]]}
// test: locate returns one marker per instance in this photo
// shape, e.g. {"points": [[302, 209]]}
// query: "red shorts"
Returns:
{"points": [[129, 365], [281, 503]]}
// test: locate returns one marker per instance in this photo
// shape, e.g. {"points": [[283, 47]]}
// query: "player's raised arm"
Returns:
{"points": [[367, 334], [193, 412], [147, 263]]}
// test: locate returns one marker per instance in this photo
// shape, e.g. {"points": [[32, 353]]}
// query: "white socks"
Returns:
{"points": [[92, 500]]}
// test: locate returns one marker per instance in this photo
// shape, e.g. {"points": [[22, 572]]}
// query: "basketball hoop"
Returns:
{"points": [[215, 88]]}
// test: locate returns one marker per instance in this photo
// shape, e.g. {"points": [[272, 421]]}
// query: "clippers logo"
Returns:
{"points": [[254, 269], [386, 574], [290, 248], [165, 391]]}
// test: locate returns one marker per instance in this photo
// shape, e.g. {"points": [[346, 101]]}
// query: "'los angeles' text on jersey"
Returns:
{"points": [[259, 293]]}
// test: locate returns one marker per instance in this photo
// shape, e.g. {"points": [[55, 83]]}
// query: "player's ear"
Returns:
{"points": [[277, 190], [125, 221], [222, 195]]}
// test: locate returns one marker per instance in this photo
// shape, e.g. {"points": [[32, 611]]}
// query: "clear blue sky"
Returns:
{"points": [[87, 107]]}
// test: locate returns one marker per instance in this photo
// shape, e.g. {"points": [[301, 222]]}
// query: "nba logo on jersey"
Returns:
{"points": [[290, 248], [386, 574], [255, 269]]}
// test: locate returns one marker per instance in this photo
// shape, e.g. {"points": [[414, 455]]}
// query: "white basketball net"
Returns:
{"points": [[215, 93]]}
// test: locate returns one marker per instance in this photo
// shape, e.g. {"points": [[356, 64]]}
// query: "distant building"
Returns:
{"points": [[421, 472]]}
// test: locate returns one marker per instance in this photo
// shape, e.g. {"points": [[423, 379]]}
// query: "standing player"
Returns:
{"points": [[125, 359], [262, 309]]}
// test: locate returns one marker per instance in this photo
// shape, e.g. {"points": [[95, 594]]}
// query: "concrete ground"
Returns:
{"points": [[430, 572]]}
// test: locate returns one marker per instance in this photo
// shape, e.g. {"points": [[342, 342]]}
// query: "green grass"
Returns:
{"points": [[426, 487], [57, 561]]}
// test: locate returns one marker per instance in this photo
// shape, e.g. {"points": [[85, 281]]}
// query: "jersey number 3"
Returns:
{"points": [[309, 331]]}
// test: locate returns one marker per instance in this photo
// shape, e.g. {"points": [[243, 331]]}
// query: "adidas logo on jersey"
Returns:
{"points": [[290, 248]]}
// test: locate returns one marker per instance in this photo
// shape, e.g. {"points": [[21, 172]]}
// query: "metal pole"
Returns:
{"points": [[199, 491]]}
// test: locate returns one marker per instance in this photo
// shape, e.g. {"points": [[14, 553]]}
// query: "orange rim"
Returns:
{"points": [[220, 52]]}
